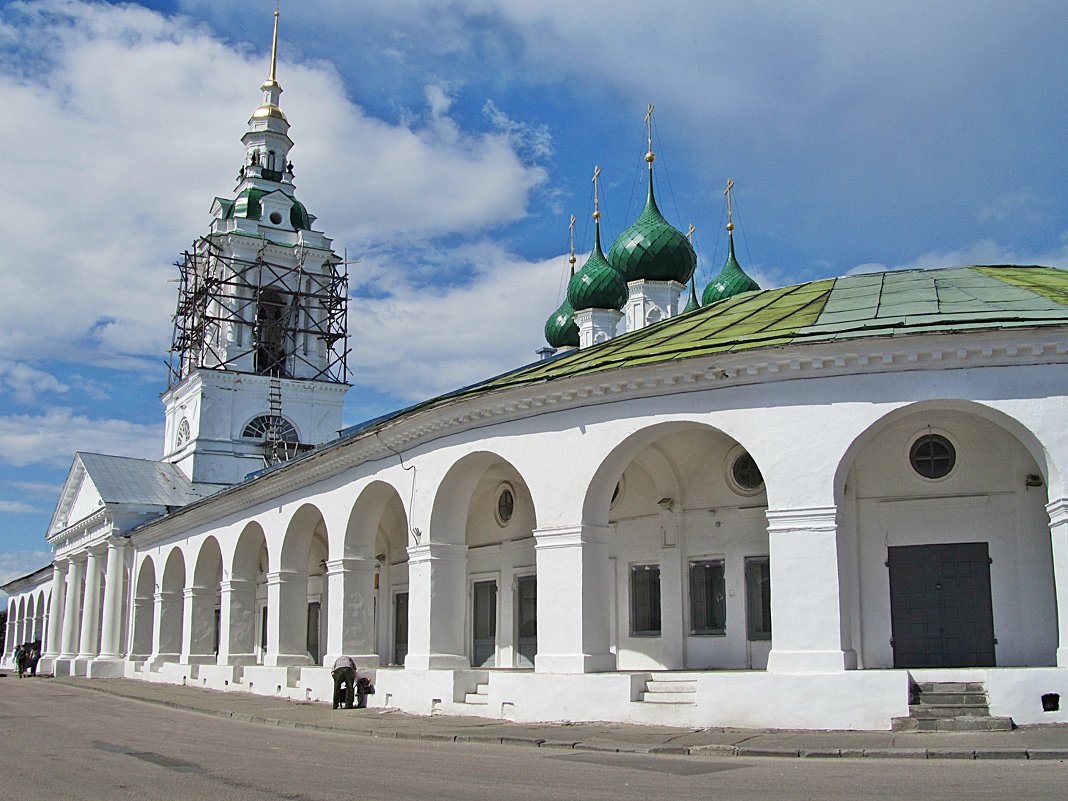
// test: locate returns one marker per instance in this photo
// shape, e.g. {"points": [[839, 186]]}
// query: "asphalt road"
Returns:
{"points": [[61, 742]]}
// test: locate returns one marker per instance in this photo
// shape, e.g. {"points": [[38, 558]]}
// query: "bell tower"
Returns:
{"points": [[258, 356]]}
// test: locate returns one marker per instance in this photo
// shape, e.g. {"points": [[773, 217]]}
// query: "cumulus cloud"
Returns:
{"points": [[52, 438], [114, 172], [25, 383]]}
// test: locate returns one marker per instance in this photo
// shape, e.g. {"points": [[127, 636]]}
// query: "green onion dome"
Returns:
{"points": [[692, 304], [652, 249], [597, 285], [299, 217], [560, 329], [731, 280]]}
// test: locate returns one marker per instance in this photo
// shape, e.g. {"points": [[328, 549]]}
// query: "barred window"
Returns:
{"points": [[259, 426]]}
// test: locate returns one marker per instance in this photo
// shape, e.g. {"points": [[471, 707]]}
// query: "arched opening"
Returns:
{"points": [[143, 611], [373, 578], [271, 333], [684, 506], [171, 607], [483, 512], [243, 601], [296, 635], [204, 622], [942, 513]]}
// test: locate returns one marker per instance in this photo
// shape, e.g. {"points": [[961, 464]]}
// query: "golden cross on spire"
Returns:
{"points": [[690, 233], [274, 47], [649, 133], [596, 200], [571, 229], [730, 207]]}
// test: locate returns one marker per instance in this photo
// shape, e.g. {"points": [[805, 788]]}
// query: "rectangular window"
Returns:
{"points": [[708, 597], [645, 600], [758, 597]]}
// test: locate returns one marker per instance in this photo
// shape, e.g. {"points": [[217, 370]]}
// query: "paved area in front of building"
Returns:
{"points": [[1027, 742]]}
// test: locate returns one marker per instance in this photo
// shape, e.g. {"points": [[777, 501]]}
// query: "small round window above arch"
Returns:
{"points": [[743, 473], [504, 508], [282, 429], [932, 456]]}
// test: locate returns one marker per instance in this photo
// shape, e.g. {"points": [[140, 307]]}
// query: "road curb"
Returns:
{"points": [[711, 750]]}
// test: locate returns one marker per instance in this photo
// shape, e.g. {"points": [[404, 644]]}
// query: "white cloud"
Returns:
{"points": [[52, 438], [15, 564], [416, 341], [25, 383], [18, 508], [985, 251], [128, 122]]}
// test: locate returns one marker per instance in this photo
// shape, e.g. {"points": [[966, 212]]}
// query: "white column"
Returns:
{"points": [[237, 622], [350, 626], [111, 629], [198, 633], [9, 637], [807, 621], [90, 607], [574, 585], [437, 607], [287, 618], [1058, 528], [55, 610], [72, 609]]}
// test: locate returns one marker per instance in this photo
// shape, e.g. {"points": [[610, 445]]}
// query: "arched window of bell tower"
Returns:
{"points": [[270, 160], [272, 312]]}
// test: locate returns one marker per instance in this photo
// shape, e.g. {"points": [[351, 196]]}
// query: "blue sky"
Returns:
{"points": [[446, 145]]}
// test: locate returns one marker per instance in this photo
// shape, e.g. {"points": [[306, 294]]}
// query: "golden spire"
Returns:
{"points": [[730, 208], [596, 202], [274, 48], [572, 259], [649, 157]]}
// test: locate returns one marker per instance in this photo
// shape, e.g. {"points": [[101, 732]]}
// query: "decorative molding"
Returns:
{"points": [[813, 519]]}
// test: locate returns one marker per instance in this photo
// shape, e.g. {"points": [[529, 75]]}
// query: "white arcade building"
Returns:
{"points": [[781, 508]]}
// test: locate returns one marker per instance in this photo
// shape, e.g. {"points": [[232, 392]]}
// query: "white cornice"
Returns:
{"points": [[877, 355]]}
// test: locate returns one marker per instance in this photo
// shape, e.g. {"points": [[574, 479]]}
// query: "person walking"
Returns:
{"points": [[20, 659]]}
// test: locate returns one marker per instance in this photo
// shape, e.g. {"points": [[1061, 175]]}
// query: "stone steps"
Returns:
{"points": [[480, 697], [671, 689], [950, 706]]}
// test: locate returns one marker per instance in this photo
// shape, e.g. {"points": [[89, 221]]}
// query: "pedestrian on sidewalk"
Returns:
{"points": [[20, 659], [344, 673]]}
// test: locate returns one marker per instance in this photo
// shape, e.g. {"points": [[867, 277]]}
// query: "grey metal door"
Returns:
{"points": [[485, 624], [940, 605]]}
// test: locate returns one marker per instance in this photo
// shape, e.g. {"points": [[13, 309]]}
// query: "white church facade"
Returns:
{"points": [[783, 508]]}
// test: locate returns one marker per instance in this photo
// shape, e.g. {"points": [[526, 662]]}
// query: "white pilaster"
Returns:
{"points": [[573, 585], [237, 622], [111, 628], [55, 611], [72, 609], [88, 644], [350, 614], [1058, 529], [437, 580], [806, 606], [287, 619]]}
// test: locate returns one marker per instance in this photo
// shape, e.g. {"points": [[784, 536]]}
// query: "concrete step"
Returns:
{"points": [[476, 699], [949, 711], [949, 699], [669, 697], [655, 686], [951, 686], [987, 723]]}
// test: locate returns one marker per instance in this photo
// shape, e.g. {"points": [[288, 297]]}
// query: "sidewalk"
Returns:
{"points": [[1029, 742]]}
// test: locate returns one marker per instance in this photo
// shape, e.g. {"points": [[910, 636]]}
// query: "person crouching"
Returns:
{"points": [[344, 673]]}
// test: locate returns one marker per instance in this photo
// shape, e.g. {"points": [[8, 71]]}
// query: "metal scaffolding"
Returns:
{"points": [[280, 321]]}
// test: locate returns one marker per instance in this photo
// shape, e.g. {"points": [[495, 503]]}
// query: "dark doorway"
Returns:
{"points": [[940, 605], [526, 591], [485, 624], [400, 627]]}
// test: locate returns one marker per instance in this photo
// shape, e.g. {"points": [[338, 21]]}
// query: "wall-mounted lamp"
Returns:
{"points": [[417, 533], [1033, 480], [380, 557], [667, 504]]}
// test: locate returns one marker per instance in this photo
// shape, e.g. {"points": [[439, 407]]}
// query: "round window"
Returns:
{"points": [[932, 456], [745, 475], [276, 218], [505, 505]]}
